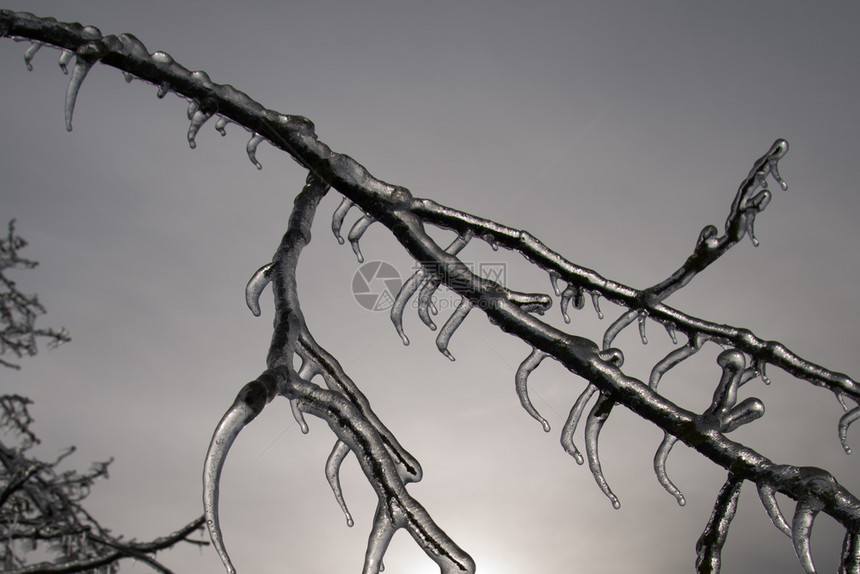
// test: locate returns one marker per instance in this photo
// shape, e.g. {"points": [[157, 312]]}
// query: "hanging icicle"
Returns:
{"points": [[64, 59], [355, 234], [83, 63], [255, 287], [198, 118], [251, 149], [593, 424], [766, 494], [407, 290], [595, 301], [221, 125], [660, 458], [844, 423], [451, 325], [801, 528], [525, 369], [338, 217], [332, 473], [30, 52]]}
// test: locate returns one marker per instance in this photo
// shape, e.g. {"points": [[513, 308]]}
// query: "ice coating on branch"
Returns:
{"points": [[593, 424], [251, 148], [30, 52], [451, 325], [768, 499], [521, 379], [844, 423], [332, 473], [355, 234], [338, 217], [255, 287], [801, 528], [162, 91], [660, 468], [64, 59], [83, 65], [198, 118], [232, 423]]}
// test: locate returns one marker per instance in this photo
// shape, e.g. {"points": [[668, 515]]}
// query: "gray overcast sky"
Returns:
{"points": [[614, 131]]}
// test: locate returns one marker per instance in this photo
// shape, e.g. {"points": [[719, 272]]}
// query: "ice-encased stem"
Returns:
{"points": [[337, 218], [332, 473], [451, 325], [525, 369], [801, 529], [766, 494], [593, 424], [710, 544], [660, 468], [231, 424]]}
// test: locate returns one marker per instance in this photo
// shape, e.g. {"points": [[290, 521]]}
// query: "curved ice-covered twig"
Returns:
{"points": [[801, 528], [248, 404], [332, 473], [338, 216], [454, 321], [844, 422], [766, 493], [660, 468], [573, 421], [355, 234], [674, 357], [528, 365], [593, 423]]}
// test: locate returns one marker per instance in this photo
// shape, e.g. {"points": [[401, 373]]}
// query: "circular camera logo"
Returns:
{"points": [[375, 285]]}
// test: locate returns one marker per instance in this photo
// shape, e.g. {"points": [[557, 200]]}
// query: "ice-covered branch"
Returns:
{"points": [[387, 466]]}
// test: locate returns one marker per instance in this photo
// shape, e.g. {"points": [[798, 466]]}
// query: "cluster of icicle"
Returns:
{"points": [[388, 467]]}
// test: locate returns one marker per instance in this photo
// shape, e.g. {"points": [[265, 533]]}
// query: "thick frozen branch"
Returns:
{"points": [[393, 206], [387, 466]]}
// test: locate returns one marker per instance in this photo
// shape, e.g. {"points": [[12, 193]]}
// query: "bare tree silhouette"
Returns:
{"points": [[44, 527], [301, 370]]}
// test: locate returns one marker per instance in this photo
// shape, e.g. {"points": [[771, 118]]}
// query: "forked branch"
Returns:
{"points": [[387, 466]]}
